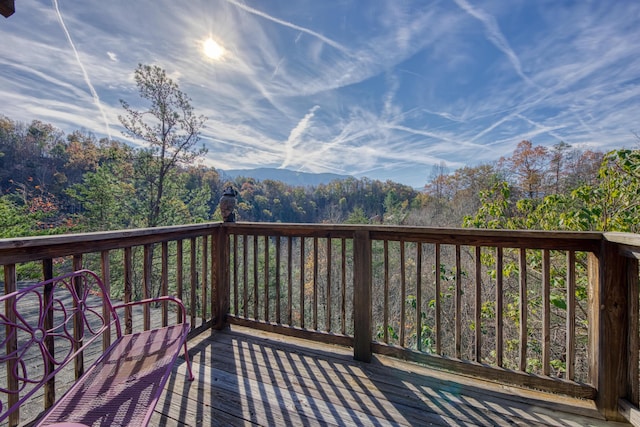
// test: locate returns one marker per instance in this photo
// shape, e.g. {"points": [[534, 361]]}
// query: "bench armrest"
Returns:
{"points": [[175, 300]]}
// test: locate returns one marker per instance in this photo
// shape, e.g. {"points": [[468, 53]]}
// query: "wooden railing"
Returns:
{"points": [[557, 311], [539, 309], [134, 264]]}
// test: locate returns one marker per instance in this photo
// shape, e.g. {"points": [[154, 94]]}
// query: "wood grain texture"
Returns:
{"points": [[362, 297]]}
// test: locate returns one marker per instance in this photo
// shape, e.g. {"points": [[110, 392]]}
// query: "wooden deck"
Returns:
{"points": [[250, 377]]}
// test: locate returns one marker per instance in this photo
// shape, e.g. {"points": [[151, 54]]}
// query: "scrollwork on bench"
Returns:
{"points": [[47, 325]]}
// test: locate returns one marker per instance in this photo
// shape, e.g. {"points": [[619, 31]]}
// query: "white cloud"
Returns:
{"points": [[387, 90]]}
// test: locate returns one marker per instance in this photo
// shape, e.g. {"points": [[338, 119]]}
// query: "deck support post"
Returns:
{"points": [[362, 329], [220, 280], [609, 319]]}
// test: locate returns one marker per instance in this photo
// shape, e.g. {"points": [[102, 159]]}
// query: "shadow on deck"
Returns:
{"points": [[250, 377]]}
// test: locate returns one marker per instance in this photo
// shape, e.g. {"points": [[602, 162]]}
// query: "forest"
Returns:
{"points": [[52, 183]]}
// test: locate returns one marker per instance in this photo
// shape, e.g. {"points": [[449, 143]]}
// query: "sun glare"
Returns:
{"points": [[212, 49]]}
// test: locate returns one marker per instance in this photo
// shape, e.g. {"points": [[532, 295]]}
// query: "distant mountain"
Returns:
{"points": [[299, 179]]}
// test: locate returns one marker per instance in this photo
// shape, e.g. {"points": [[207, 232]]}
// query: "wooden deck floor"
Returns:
{"points": [[249, 377]]}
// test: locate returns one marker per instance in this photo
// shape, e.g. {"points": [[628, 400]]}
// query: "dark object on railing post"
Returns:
{"points": [[7, 8], [228, 204], [362, 296]]}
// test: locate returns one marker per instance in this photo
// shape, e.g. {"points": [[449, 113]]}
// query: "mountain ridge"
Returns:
{"points": [[287, 176]]}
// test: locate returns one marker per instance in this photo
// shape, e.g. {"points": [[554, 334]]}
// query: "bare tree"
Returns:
{"points": [[170, 128]]}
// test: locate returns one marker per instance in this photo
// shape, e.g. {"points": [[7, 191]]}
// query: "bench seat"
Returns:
{"points": [[54, 322], [123, 386]]}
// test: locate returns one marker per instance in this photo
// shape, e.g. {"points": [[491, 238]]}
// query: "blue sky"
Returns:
{"points": [[382, 88]]}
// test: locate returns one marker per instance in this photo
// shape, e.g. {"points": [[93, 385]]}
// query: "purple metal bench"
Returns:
{"points": [[47, 326]]}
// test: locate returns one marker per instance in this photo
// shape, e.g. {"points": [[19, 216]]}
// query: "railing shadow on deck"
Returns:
{"points": [[517, 307], [244, 378]]}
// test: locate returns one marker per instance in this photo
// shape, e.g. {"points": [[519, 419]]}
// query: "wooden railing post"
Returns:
{"points": [[632, 392], [609, 320], [362, 329], [220, 287]]}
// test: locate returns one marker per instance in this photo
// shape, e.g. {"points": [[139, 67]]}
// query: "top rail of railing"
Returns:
{"points": [[25, 249]]}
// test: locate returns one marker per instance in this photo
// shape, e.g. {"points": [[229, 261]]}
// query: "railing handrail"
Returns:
{"points": [[25, 249], [297, 228]]}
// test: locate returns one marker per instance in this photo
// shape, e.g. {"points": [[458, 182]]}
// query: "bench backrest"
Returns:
{"points": [[46, 325]]}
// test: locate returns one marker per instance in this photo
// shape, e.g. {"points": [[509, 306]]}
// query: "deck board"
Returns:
{"points": [[247, 377]]}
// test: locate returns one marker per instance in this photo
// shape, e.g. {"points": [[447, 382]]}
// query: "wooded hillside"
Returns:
{"points": [[52, 182]]}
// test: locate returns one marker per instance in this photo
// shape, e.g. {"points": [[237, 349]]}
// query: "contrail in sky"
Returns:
{"points": [[96, 99], [295, 136], [291, 25], [495, 36]]}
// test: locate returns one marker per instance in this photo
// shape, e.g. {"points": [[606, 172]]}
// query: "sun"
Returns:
{"points": [[212, 49]]}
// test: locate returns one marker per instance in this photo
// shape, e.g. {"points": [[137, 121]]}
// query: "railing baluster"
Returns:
{"points": [[193, 305], [289, 280], [302, 274], [266, 279], [499, 306], [179, 274], [343, 242], [385, 314], [50, 386], [105, 268], [245, 274], [523, 307], [256, 297], [278, 281], [146, 284], [315, 284], [419, 296], [546, 312], [571, 315], [403, 292], [128, 286], [221, 278], [205, 268], [458, 305], [147, 279], [328, 263], [235, 275], [478, 306], [78, 323], [164, 281], [438, 302]]}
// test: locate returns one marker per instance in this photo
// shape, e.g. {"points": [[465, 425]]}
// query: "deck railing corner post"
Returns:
{"points": [[610, 321]]}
